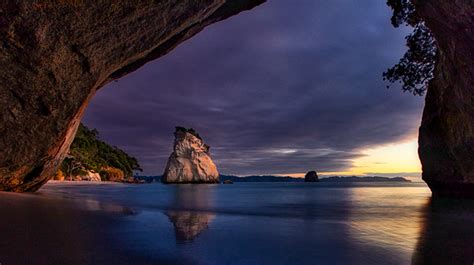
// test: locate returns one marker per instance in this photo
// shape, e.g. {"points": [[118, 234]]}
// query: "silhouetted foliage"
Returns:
{"points": [[190, 130], [416, 68], [89, 153]]}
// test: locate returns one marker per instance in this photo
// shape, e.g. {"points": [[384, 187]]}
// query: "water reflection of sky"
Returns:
{"points": [[388, 220], [287, 224], [252, 223]]}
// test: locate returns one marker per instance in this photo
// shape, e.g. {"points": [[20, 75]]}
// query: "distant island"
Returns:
{"points": [[363, 179], [260, 179], [270, 178]]}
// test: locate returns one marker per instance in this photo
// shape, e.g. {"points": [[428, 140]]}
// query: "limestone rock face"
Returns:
{"points": [[114, 174], [446, 136], [56, 54], [190, 161], [311, 176], [91, 176]]}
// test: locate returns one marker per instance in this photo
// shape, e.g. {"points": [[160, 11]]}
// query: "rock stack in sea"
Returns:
{"points": [[190, 161], [311, 176]]}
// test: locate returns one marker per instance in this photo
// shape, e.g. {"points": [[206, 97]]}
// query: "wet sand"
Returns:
{"points": [[43, 228], [253, 223]]}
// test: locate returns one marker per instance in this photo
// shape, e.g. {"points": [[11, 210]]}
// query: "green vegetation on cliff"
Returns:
{"points": [[190, 130], [88, 152], [416, 68]]}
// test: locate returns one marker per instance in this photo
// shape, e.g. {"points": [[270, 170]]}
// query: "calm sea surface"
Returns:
{"points": [[243, 223]]}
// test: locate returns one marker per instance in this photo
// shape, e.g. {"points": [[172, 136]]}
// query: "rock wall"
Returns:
{"points": [[55, 55], [91, 176], [190, 161], [446, 139]]}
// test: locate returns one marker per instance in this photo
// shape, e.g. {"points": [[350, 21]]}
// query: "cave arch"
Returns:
{"points": [[56, 56]]}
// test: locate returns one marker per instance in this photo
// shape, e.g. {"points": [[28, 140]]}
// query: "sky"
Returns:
{"points": [[285, 88]]}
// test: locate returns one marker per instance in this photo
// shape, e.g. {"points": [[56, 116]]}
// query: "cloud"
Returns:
{"points": [[289, 75]]}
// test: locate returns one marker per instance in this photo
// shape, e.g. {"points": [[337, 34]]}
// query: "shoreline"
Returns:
{"points": [[82, 222]]}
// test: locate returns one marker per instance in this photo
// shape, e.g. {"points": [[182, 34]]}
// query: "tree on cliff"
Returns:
{"points": [[416, 68], [88, 152]]}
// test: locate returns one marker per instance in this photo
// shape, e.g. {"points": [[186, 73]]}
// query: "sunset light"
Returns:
{"points": [[391, 158]]}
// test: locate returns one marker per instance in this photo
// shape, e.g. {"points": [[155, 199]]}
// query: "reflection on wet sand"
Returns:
{"points": [[43, 230], [412, 227], [189, 216], [387, 220], [188, 225], [447, 235]]}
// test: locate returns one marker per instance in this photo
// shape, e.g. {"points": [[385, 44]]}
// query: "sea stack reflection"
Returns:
{"points": [[190, 161]]}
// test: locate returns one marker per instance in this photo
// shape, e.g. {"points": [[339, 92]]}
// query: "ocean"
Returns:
{"points": [[242, 223]]}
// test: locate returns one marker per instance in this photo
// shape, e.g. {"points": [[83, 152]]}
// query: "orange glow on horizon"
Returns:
{"points": [[394, 158]]}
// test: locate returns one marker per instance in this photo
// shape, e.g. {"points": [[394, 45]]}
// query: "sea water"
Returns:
{"points": [[242, 223]]}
